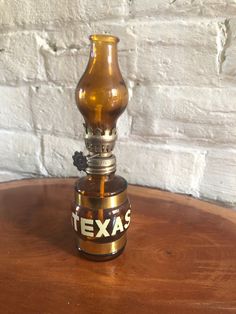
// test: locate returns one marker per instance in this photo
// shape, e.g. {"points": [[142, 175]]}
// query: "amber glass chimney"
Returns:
{"points": [[101, 215]]}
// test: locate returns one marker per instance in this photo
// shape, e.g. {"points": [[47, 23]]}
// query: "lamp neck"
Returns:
{"points": [[103, 55]]}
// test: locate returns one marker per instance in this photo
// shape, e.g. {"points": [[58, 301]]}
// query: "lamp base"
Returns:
{"points": [[101, 222]]}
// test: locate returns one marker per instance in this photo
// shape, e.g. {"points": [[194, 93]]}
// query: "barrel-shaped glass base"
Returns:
{"points": [[101, 216]]}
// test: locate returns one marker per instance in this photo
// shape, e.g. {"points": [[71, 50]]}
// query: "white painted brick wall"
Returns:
{"points": [[178, 59], [220, 175], [20, 60], [20, 152], [15, 110], [57, 154]]}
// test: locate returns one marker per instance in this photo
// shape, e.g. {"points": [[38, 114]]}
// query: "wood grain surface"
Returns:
{"points": [[180, 257]]}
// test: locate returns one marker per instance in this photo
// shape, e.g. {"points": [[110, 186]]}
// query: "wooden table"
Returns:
{"points": [[180, 257]]}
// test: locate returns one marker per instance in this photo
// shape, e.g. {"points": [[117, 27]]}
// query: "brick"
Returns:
{"points": [[19, 58], [103, 9], [55, 111], [162, 7], [173, 66], [184, 113], [198, 105], [219, 180], [57, 155], [15, 108], [66, 67], [223, 8], [47, 13], [175, 33], [19, 152], [169, 54], [184, 8], [160, 166]]}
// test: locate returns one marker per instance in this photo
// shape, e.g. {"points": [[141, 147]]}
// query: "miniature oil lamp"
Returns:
{"points": [[101, 215]]}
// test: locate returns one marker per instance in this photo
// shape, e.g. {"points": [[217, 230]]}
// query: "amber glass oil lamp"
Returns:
{"points": [[101, 215]]}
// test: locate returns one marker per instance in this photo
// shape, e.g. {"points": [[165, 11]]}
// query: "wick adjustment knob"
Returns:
{"points": [[80, 161]]}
